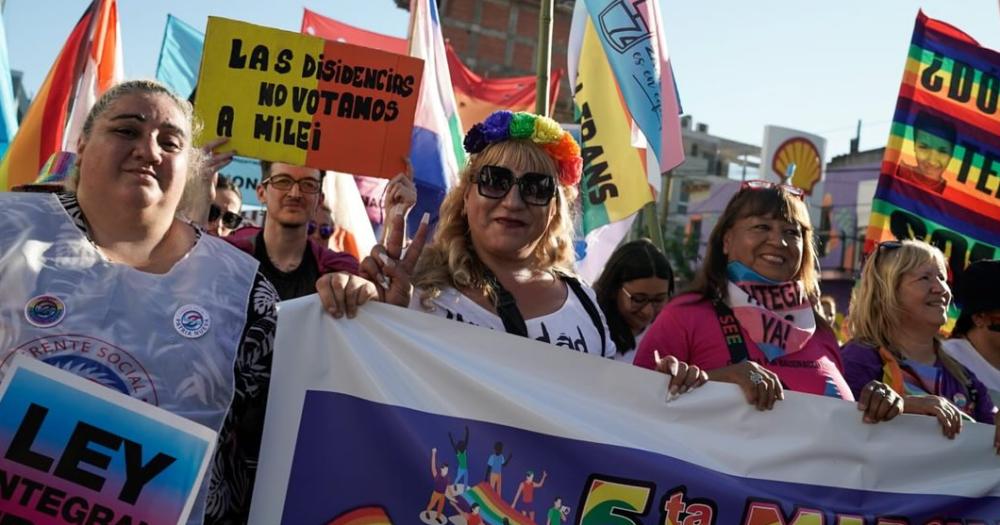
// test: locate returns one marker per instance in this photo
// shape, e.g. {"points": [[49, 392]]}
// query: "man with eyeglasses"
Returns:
{"points": [[288, 258], [224, 213]]}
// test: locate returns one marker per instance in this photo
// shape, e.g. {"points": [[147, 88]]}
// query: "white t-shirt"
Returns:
{"points": [[963, 352], [570, 326]]}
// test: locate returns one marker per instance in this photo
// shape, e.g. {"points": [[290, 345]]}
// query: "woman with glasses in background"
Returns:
{"points": [[752, 315], [896, 314], [502, 255], [224, 212], [635, 284]]}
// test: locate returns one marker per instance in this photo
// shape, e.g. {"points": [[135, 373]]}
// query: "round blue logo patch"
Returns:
{"points": [[192, 321], [960, 400], [45, 311]]}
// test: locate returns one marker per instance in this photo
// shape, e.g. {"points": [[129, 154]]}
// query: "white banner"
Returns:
{"points": [[401, 417]]}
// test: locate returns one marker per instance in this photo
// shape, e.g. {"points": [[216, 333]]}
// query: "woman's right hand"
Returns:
{"points": [[389, 268], [946, 413], [760, 385]]}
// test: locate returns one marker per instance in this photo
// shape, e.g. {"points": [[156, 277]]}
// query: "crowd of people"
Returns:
{"points": [[124, 261]]}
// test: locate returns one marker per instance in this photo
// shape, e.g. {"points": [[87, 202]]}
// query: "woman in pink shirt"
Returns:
{"points": [[751, 315]]}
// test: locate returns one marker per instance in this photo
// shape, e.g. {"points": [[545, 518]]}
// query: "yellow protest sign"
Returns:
{"points": [[294, 98]]}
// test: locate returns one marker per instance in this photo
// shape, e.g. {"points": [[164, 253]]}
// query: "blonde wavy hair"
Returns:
{"points": [[451, 261], [876, 313]]}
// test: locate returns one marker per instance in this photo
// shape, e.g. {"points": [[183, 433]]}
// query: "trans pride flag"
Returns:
{"points": [[939, 180], [90, 62]]}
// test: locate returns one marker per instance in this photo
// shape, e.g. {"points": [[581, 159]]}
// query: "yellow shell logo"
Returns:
{"points": [[799, 158]]}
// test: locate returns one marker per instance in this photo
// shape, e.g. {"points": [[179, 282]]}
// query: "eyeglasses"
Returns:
{"points": [[229, 219], [767, 185], [495, 182], [639, 301], [325, 230], [307, 185]]}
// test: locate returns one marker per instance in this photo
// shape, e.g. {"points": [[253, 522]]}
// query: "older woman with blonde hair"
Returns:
{"points": [[751, 317], [897, 311]]}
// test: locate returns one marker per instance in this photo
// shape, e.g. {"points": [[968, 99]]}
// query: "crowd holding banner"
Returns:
{"points": [[150, 422], [704, 460]]}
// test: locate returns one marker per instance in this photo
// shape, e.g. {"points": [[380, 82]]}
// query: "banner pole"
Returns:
{"points": [[652, 223], [544, 61]]}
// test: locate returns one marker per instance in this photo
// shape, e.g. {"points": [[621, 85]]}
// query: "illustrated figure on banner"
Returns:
{"points": [[461, 459]]}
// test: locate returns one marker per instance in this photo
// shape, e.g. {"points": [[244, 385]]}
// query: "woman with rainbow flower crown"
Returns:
{"points": [[502, 256]]}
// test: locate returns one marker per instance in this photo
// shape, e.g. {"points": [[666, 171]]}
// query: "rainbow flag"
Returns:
{"points": [[362, 516], [939, 179], [492, 508], [90, 62]]}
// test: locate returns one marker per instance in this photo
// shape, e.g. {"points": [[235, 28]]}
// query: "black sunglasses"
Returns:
{"points": [[495, 182], [229, 219], [325, 230]]}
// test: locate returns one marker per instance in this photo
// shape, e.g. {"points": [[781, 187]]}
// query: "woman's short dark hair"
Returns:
{"points": [[633, 260]]}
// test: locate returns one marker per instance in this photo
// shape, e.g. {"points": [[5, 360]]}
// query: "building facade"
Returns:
{"points": [[499, 38]]}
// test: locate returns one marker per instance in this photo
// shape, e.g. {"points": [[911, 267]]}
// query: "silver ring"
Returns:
{"points": [[880, 390], [756, 377]]}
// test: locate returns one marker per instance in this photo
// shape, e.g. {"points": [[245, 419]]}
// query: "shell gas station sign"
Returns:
{"points": [[793, 157]]}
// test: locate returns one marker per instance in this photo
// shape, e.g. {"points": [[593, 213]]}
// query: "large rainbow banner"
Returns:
{"points": [[75, 452], [398, 417], [940, 179], [289, 97]]}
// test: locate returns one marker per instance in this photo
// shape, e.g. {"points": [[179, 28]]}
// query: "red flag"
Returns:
{"points": [[477, 97]]}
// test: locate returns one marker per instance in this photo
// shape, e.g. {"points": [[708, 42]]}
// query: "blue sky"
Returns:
{"points": [[740, 65]]}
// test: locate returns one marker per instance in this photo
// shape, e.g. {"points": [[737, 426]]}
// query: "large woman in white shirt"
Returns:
{"points": [[171, 316]]}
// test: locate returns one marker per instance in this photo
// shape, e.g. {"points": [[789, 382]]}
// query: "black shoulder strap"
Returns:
{"points": [[588, 305], [731, 332], [510, 315]]}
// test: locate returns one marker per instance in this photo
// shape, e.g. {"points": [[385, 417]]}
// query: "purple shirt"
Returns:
{"points": [[441, 483], [863, 364]]}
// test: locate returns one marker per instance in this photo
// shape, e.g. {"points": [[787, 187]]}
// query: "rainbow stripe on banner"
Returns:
{"points": [[363, 516], [492, 508], [939, 180]]}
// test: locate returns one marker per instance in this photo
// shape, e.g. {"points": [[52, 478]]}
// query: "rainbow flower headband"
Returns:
{"points": [[547, 133]]}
